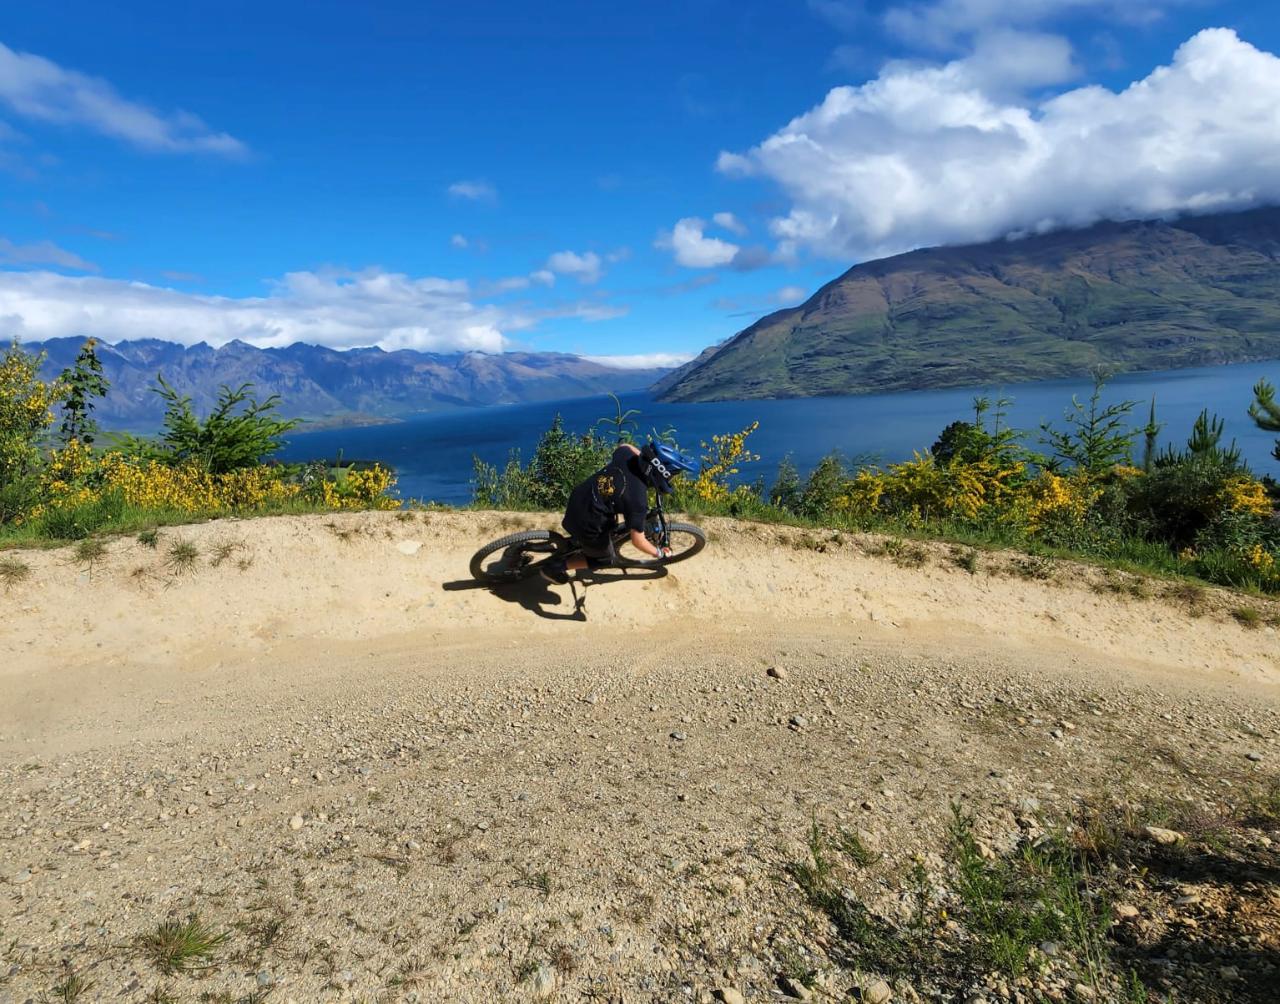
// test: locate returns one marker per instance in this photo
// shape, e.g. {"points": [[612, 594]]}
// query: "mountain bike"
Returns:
{"points": [[519, 555]]}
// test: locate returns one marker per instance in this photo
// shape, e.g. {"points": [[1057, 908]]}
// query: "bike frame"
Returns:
{"points": [[567, 549]]}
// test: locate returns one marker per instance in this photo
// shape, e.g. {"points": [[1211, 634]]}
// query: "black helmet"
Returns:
{"points": [[660, 463]]}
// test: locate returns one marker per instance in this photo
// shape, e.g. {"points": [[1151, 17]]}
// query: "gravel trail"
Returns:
{"points": [[381, 783]]}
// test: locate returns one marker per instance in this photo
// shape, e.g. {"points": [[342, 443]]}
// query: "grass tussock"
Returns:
{"points": [[223, 550], [149, 538], [1247, 617], [72, 988], [182, 946], [13, 572], [183, 557], [89, 552]]}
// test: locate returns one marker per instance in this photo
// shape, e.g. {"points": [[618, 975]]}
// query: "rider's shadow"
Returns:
{"points": [[536, 595]]}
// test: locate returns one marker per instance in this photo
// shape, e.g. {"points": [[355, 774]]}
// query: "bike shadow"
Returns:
{"points": [[537, 595]]}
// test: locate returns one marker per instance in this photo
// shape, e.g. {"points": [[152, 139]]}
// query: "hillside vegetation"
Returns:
{"points": [[1123, 296], [1097, 489]]}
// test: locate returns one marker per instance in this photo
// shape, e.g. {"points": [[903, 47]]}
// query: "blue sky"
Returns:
{"points": [[574, 176]]}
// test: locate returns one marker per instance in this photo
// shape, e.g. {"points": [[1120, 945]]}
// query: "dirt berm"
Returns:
{"points": [[383, 783]]}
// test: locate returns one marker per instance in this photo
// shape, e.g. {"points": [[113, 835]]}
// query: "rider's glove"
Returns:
{"points": [[664, 552]]}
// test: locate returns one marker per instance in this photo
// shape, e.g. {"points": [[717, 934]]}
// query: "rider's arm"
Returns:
{"points": [[641, 543]]}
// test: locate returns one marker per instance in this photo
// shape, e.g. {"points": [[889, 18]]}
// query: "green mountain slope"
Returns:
{"points": [[1125, 296]]}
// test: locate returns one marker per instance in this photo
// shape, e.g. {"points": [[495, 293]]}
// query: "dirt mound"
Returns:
{"points": [[306, 759], [223, 593]]}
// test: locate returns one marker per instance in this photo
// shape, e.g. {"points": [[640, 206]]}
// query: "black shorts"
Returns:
{"points": [[598, 551]]}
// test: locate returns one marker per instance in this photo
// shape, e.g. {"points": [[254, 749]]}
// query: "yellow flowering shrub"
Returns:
{"points": [[1261, 559], [1244, 494], [359, 489], [74, 476], [720, 462], [928, 490], [862, 493], [26, 410], [1051, 498]]}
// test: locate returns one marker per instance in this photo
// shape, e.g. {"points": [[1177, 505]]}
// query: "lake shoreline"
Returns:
{"points": [[433, 453]]}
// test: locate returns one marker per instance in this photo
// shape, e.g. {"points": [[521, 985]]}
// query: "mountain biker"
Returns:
{"points": [[620, 488]]}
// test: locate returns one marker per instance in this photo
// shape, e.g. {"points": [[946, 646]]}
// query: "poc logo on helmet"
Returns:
{"points": [[656, 464]]}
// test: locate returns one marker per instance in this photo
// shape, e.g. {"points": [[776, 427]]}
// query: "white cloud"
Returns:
{"points": [[42, 253], [923, 156], [653, 360], [727, 221], [791, 294], [474, 190], [543, 277], [585, 267], [692, 248], [939, 23], [38, 88], [507, 285], [458, 241], [334, 308]]}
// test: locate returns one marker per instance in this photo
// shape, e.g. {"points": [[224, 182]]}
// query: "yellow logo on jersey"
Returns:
{"points": [[604, 485]]}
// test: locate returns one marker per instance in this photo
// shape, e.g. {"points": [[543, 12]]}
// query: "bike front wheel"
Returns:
{"points": [[684, 539]]}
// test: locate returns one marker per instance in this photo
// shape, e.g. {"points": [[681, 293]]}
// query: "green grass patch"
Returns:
{"points": [[13, 571], [183, 556], [182, 946]]}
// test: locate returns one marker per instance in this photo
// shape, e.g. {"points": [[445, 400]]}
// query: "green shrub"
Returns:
{"points": [[241, 431], [1180, 498], [822, 488]]}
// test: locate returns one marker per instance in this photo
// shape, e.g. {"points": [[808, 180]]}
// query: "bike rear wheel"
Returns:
{"points": [[514, 557], [684, 539]]}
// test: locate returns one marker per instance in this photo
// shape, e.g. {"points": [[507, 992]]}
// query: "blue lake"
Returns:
{"points": [[432, 454]]}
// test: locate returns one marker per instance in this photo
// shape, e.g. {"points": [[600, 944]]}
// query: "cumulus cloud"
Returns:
{"points": [[543, 277], [938, 23], [585, 267], [37, 88], [692, 248], [727, 221], [334, 308], [42, 253], [474, 190], [923, 156], [653, 360], [459, 241]]}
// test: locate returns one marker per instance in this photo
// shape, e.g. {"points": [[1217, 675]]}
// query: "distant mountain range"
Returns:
{"points": [[349, 387], [1122, 296]]}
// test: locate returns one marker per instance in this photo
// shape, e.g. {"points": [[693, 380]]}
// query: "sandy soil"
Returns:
{"points": [[384, 783]]}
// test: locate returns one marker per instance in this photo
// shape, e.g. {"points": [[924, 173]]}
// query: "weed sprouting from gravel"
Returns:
{"points": [[855, 849], [902, 553], [223, 550], [149, 538], [72, 988], [183, 556], [966, 559], [13, 571], [540, 881], [1194, 597], [1033, 566], [89, 552], [1131, 586], [182, 946], [1247, 617]]}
